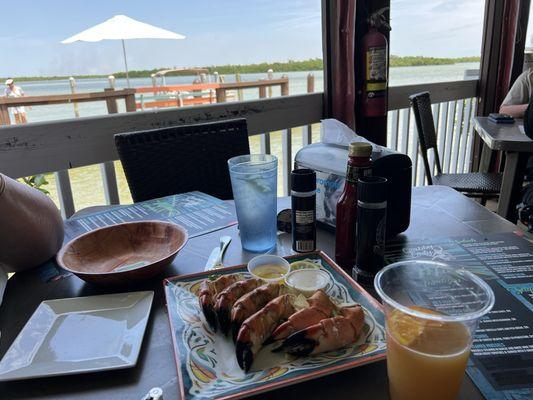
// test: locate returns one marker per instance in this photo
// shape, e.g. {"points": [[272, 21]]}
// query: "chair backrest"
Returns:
{"points": [[179, 159], [427, 138]]}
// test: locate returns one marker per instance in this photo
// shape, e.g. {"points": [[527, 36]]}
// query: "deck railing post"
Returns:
{"points": [[4, 115], [72, 83], [221, 95], [262, 90], [240, 95], [107, 169], [307, 131], [130, 102], [264, 138], [285, 86], [112, 81], [270, 76]]}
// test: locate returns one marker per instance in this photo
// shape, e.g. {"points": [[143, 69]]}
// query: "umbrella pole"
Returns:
{"points": [[126, 63]]}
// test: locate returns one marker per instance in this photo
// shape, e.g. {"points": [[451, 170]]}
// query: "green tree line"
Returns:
{"points": [[313, 64]]}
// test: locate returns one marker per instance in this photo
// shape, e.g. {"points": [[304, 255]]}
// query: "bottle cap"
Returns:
{"points": [[360, 149], [303, 180], [284, 220], [372, 189]]}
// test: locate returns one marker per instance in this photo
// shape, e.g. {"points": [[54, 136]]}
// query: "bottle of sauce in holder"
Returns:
{"points": [[359, 165], [370, 229], [303, 201]]}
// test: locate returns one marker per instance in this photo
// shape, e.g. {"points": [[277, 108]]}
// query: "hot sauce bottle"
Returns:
{"points": [[359, 165]]}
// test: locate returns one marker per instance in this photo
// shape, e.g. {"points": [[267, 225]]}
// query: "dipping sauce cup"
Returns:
{"points": [[432, 311]]}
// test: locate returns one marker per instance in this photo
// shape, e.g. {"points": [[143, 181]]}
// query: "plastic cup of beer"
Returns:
{"points": [[431, 313]]}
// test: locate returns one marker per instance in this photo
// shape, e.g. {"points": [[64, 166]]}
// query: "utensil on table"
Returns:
{"points": [[123, 254], [215, 258]]}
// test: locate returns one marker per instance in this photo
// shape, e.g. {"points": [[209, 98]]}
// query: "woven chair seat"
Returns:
{"points": [[474, 182]]}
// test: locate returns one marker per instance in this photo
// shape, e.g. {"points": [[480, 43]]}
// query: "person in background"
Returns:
{"points": [[15, 91], [517, 100]]}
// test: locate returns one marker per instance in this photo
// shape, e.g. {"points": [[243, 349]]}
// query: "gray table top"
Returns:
{"points": [[436, 211], [506, 137]]}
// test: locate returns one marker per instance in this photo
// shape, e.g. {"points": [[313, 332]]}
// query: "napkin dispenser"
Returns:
{"points": [[329, 160]]}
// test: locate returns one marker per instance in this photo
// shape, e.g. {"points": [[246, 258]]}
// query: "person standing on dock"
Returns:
{"points": [[15, 91]]}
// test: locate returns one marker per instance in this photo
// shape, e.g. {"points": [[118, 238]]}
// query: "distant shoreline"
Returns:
{"points": [[314, 64]]}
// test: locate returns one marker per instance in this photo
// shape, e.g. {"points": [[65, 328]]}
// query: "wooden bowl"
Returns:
{"points": [[123, 254]]}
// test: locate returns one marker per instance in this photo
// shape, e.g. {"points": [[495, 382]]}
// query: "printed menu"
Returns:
{"points": [[197, 212], [501, 362]]}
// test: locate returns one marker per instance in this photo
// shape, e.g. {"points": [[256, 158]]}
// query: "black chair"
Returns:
{"points": [[474, 184], [179, 159]]}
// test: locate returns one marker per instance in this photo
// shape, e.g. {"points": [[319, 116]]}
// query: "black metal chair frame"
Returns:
{"points": [[427, 139]]}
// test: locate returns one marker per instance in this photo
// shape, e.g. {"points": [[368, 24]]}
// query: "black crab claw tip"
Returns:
{"points": [[269, 340], [211, 318], [245, 357], [235, 328], [298, 344], [223, 321]]}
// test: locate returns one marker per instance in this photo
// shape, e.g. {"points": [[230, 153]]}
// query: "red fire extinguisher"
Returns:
{"points": [[374, 48]]}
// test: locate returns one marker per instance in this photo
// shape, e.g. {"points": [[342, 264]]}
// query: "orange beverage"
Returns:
{"points": [[431, 312], [425, 359]]}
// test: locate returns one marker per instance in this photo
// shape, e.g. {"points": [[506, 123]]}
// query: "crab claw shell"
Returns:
{"points": [[245, 356], [329, 334], [301, 343], [209, 313]]}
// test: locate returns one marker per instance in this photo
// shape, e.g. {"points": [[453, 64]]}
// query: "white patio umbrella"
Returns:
{"points": [[121, 27]]}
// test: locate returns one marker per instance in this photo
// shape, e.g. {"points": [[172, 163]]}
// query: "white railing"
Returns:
{"points": [[454, 106], [61, 145]]}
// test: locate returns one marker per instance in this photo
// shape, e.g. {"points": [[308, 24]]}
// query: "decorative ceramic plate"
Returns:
{"points": [[78, 335], [206, 363]]}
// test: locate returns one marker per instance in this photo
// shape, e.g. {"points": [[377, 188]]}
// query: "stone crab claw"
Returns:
{"points": [[320, 307], [207, 292], [257, 328], [328, 334]]}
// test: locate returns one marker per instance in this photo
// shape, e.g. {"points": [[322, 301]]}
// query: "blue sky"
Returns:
{"points": [[218, 32]]}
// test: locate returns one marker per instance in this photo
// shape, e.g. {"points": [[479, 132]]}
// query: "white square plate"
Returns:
{"points": [[79, 335]]}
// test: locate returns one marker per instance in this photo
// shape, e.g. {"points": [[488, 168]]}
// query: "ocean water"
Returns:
{"points": [[87, 185], [297, 85]]}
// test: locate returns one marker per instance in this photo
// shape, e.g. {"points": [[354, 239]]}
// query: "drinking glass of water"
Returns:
{"points": [[254, 180]]}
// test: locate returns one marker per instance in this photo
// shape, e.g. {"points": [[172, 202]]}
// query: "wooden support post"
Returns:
{"points": [[270, 76], [111, 102], [262, 91], [72, 83], [4, 115], [285, 86], [310, 83], [240, 95], [130, 103], [221, 95]]}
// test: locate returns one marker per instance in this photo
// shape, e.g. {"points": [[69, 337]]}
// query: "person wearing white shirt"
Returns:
{"points": [[15, 91]]}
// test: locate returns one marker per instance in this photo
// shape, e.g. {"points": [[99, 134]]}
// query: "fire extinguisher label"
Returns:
{"points": [[376, 64]]}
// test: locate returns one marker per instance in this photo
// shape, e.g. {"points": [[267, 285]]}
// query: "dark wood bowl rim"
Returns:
{"points": [[61, 253]]}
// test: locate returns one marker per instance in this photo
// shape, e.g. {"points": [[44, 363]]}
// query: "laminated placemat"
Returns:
{"points": [[501, 361]]}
